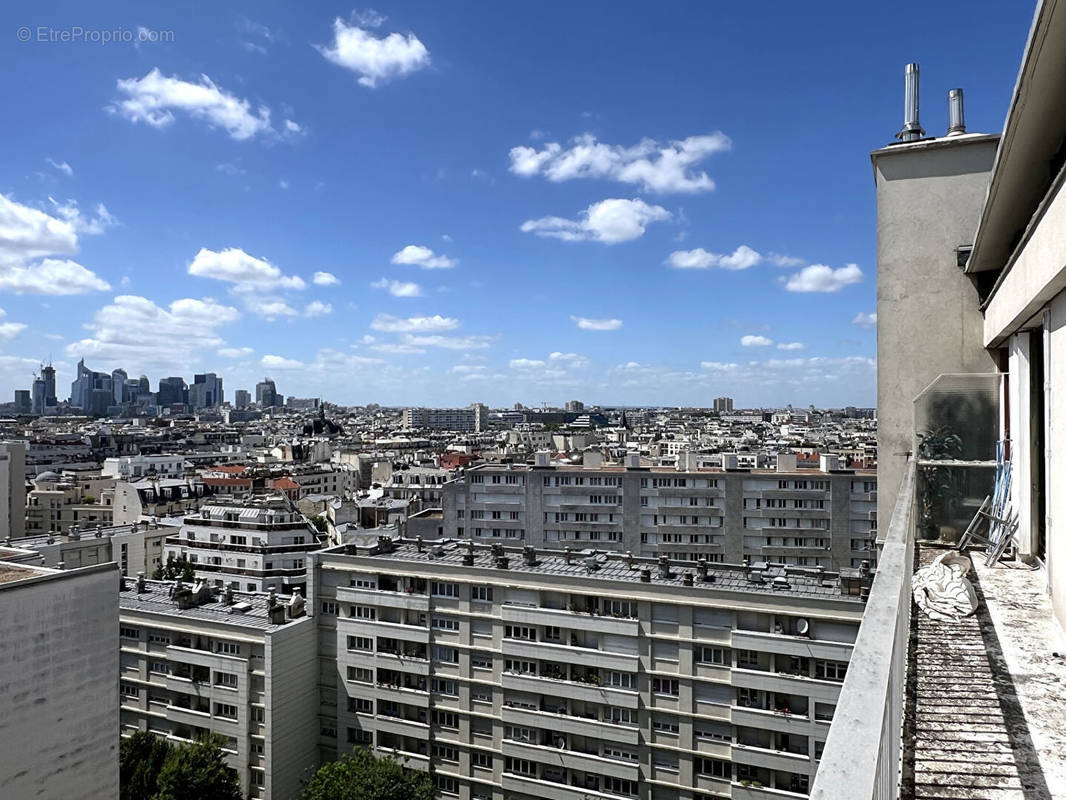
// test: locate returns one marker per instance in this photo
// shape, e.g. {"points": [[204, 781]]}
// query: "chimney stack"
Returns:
{"points": [[956, 115], [912, 129]]}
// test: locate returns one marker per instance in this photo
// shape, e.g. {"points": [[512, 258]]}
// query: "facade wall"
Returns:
{"points": [[1055, 444], [803, 518], [59, 679], [929, 201], [509, 687], [291, 701], [12, 489]]}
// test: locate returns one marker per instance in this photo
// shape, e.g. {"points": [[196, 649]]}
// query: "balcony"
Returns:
{"points": [[962, 710]]}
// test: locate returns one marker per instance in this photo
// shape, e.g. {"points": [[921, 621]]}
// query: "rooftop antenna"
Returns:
{"points": [[956, 116], [912, 129]]}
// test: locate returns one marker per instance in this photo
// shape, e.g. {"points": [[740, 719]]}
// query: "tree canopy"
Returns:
{"points": [[174, 568], [150, 768], [364, 776]]}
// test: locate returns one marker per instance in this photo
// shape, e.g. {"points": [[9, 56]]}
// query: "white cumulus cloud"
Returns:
{"points": [[398, 288], [390, 324], [419, 256], [247, 272], [741, 258], [28, 234], [865, 320], [325, 279], [587, 324], [316, 308], [651, 165], [235, 352], [60, 166], [820, 278], [376, 59], [525, 363], [755, 341], [154, 98], [609, 221], [280, 362], [792, 346]]}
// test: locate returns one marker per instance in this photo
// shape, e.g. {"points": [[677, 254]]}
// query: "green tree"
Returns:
{"points": [[141, 757], [320, 523], [174, 568], [364, 776], [198, 771]]}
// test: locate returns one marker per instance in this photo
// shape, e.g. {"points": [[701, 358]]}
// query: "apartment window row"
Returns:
{"points": [[581, 480]]}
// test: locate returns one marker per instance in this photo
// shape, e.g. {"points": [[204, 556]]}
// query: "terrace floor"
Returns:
{"points": [[986, 698]]}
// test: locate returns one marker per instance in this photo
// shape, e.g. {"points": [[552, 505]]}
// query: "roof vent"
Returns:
{"points": [[240, 608], [956, 115], [912, 130], [436, 551], [645, 575], [591, 564]]}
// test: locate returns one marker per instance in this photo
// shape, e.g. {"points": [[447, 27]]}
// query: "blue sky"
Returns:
{"points": [[442, 203]]}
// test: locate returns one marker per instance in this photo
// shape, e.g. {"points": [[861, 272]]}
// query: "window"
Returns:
{"points": [[360, 737], [227, 679], [664, 686], [329, 608], [612, 751], [620, 608], [363, 612], [228, 648], [446, 624], [360, 643], [619, 786], [830, 670], [445, 589], [129, 633], [159, 667], [482, 760], [520, 632], [622, 680], [449, 655], [443, 752], [747, 659], [520, 734], [481, 594], [360, 705], [480, 659], [520, 666], [714, 767], [711, 655], [360, 674], [618, 716], [226, 710], [126, 690], [158, 638], [446, 719], [519, 766], [664, 724], [364, 583], [445, 687], [479, 694]]}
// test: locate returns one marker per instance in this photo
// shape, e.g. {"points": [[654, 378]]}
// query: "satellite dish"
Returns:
{"points": [[802, 627]]}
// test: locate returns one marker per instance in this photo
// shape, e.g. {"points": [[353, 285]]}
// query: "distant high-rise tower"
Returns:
{"points": [[118, 385], [723, 405], [242, 398], [266, 393]]}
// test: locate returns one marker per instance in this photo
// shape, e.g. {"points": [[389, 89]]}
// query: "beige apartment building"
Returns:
{"points": [[533, 673], [799, 517], [239, 665]]}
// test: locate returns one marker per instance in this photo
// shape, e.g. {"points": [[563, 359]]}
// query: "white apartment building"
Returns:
{"points": [[12, 488], [528, 673], [137, 547], [799, 517], [196, 661], [471, 419], [138, 466], [252, 545], [58, 689]]}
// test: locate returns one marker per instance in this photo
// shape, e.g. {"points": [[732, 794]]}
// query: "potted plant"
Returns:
{"points": [[938, 486]]}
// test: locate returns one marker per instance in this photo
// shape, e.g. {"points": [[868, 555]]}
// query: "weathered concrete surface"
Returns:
{"points": [[984, 715]]}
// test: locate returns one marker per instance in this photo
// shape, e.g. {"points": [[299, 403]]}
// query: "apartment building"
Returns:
{"points": [[531, 673], [138, 466], [137, 547], [254, 544], [58, 666], [472, 419], [800, 517], [12, 488], [59, 502], [157, 497], [195, 661]]}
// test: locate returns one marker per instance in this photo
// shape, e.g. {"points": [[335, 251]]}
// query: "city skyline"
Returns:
{"points": [[714, 257]]}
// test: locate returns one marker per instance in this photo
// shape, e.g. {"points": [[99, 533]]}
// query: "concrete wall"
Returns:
{"points": [[1056, 463], [59, 664], [292, 707], [929, 200], [12, 490]]}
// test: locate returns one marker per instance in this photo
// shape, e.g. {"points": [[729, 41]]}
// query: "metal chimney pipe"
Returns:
{"points": [[912, 129], [956, 116]]}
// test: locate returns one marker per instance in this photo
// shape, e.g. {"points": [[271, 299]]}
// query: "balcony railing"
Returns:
{"points": [[861, 759]]}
